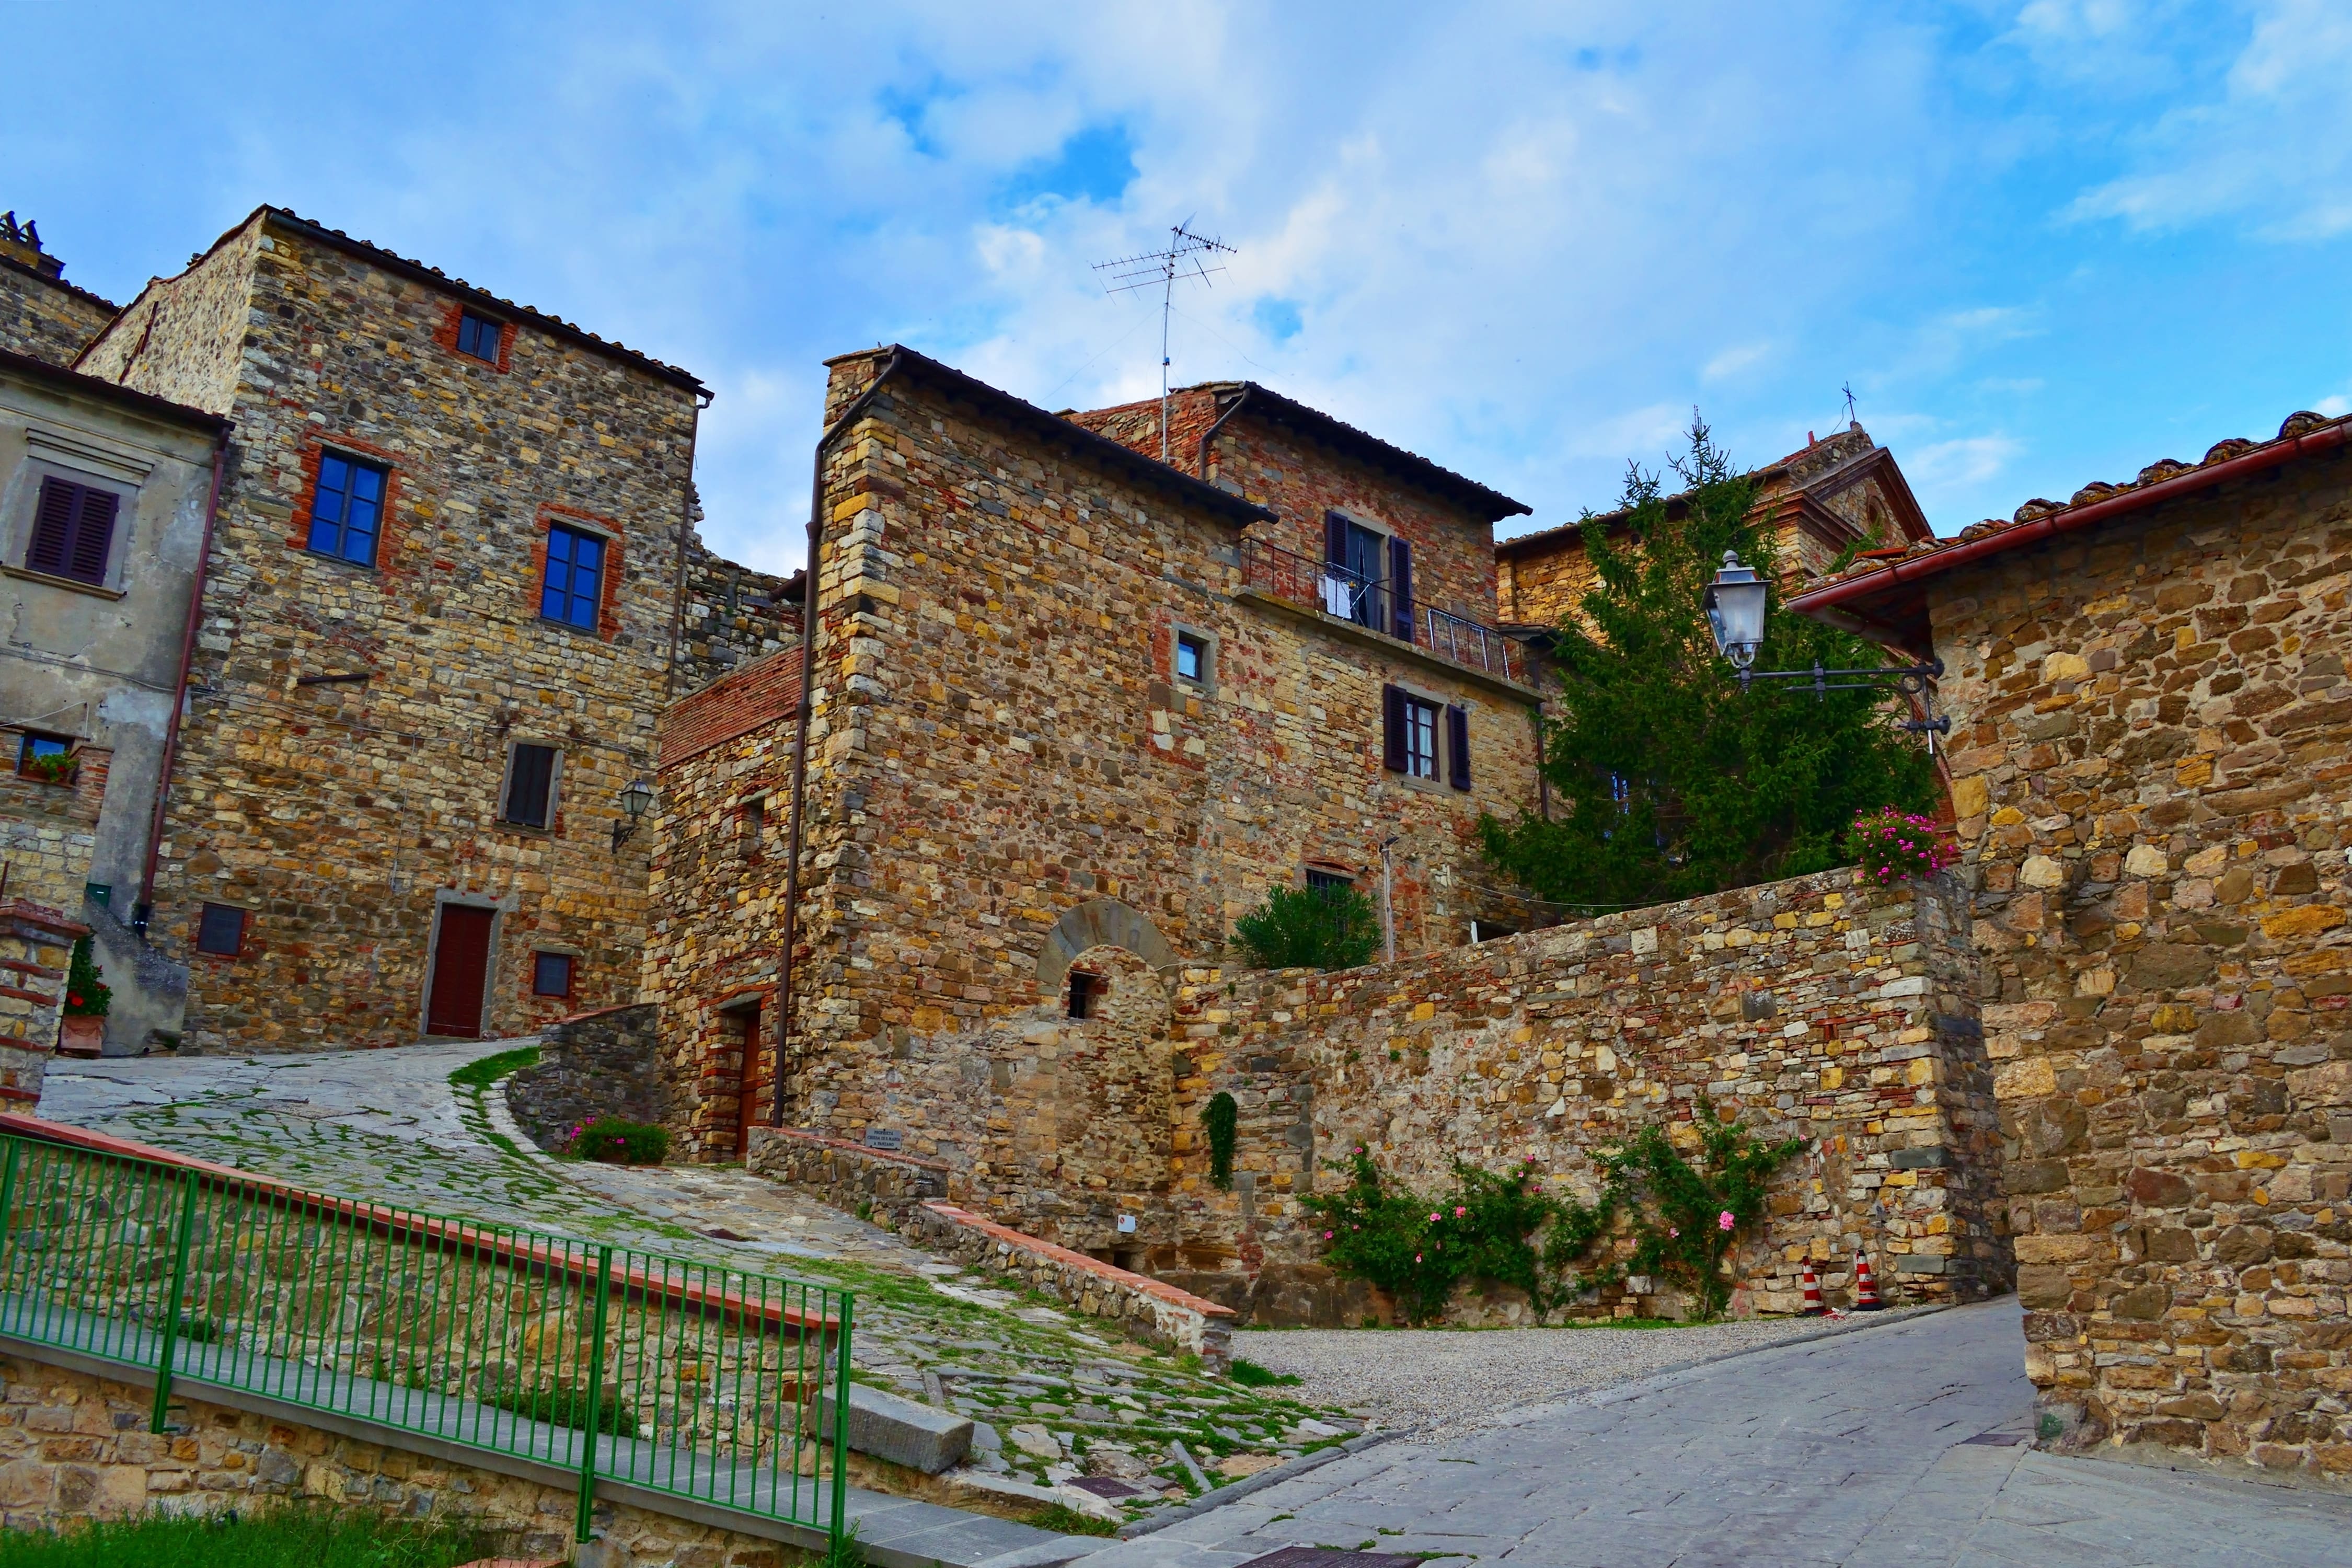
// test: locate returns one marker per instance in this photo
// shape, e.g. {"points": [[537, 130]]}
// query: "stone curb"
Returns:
{"points": [[1289, 1470]]}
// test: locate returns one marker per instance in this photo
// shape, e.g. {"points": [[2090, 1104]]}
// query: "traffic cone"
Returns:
{"points": [[1866, 1288], [1813, 1291]]}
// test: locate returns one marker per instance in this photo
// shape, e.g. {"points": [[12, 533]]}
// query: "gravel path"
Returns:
{"points": [[1439, 1383]]}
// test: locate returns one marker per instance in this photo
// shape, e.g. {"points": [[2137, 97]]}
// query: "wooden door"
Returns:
{"points": [[461, 973], [746, 1098]]}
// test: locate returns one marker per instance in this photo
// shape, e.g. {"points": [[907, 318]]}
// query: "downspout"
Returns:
{"points": [[1211, 432], [849, 416], [145, 906], [685, 531]]}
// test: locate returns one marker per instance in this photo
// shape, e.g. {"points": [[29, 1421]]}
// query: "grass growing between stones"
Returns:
{"points": [[285, 1538], [1064, 1520], [487, 1071]]}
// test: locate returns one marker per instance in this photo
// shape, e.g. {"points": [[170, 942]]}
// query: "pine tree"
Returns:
{"points": [[1671, 782]]}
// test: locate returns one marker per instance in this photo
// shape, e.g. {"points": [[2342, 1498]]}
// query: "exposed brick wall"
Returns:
{"points": [[50, 831], [36, 946], [2151, 726], [336, 811], [43, 316], [998, 739], [1818, 1006]]}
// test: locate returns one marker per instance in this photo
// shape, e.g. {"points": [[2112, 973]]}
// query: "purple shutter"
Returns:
{"points": [[53, 527], [1457, 746], [93, 536], [1400, 587], [1335, 539], [1392, 729]]}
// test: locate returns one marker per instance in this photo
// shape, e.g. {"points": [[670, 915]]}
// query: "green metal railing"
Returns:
{"points": [[685, 1378]]}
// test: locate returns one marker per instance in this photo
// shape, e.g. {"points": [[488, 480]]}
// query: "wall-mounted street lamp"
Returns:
{"points": [[636, 799], [1735, 612]]}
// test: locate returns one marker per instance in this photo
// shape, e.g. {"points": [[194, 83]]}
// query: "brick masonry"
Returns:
{"points": [[36, 946], [76, 1446], [2150, 750], [342, 815], [998, 742], [1817, 1006]]}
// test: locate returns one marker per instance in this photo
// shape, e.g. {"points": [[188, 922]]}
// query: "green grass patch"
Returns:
{"points": [[560, 1404], [488, 1070], [1249, 1375], [1064, 1520], [280, 1538]]}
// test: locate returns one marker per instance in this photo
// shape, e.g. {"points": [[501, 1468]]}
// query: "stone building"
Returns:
{"points": [[105, 499], [41, 314], [2150, 724], [1825, 498], [1067, 722], [445, 605]]}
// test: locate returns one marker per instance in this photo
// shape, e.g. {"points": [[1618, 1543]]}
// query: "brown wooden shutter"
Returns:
{"points": [[1392, 729], [1457, 746], [53, 527], [93, 536], [1335, 539], [1400, 587]]}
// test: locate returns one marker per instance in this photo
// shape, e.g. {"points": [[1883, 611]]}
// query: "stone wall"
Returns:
{"points": [[2152, 722], [1818, 1006], [732, 617], [874, 1184], [36, 946], [341, 764], [998, 741], [41, 315], [591, 1065], [48, 830], [75, 1446]]}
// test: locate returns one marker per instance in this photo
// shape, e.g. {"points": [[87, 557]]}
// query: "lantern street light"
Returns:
{"points": [[1735, 601], [636, 799]]}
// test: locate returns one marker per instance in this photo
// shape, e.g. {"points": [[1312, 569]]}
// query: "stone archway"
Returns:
{"points": [[1098, 1135], [1101, 922]]}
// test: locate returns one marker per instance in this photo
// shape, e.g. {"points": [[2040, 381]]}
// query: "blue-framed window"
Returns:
{"points": [[346, 514], [575, 577], [478, 336]]}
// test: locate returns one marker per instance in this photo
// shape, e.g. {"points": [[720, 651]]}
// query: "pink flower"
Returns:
{"points": [[1459, 1211], [1724, 1220], [1673, 1232], [1416, 1258], [1432, 1217]]}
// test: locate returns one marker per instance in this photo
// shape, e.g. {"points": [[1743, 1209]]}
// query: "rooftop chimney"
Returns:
{"points": [[22, 243]]}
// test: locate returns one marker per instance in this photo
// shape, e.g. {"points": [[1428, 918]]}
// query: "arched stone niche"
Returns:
{"points": [[1101, 922], [1093, 1119]]}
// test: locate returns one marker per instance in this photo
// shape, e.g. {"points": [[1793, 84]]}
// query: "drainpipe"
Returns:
{"points": [[144, 906], [849, 416], [685, 531]]}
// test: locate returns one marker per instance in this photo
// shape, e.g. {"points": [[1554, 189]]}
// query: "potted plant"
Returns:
{"points": [[53, 768], [86, 1000]]}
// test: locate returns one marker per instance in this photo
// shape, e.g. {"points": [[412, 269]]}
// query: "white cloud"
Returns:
{"points": [[1965, 460], [1731, 362]]}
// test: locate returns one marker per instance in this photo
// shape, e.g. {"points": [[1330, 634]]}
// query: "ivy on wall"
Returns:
{"points": [[1221, 1116]]}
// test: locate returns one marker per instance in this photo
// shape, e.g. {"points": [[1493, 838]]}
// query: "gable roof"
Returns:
{"points": [[1886, 598], [1263, 402]]}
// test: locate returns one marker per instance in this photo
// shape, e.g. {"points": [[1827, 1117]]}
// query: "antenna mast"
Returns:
{"points": [[1179, 258]]}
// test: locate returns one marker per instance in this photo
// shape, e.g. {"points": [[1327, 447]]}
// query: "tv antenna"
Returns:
{"points": [[1179, 258]]}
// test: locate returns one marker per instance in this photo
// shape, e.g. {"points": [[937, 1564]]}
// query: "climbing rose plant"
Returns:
{"points": [[1894, 846]]}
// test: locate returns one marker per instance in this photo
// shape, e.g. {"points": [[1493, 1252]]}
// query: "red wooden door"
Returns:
{"points": [[461, 971], [747, 1098]]}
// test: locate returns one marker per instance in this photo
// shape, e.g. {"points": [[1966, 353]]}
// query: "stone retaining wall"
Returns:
{"points": [[75, 1446], [1149, 1310], [591, 1065], [885, 1187], [36, 946], [1817, 1006]]}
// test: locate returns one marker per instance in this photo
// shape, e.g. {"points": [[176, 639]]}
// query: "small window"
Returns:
{"points": [[1085, 993], [478, 336], [347, 512], [220, 931], [73, 531], [45, 759], [1191, 659], [755, 824], [530, 786], [575, 575], [1328, 881], [551, 975], [1419, 738]]}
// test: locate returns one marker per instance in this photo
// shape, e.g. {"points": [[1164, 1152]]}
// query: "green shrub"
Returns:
{"points": [[1686, 1217], [1249, 1375], [86, 996], [1221, 1118], [560, 1404], [1308, 928], [616, 1142], [292, 1537], [1064, 1520], [488, 1070]]}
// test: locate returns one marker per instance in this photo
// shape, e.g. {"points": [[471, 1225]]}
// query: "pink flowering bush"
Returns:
{"points": [[1417, 1248], [1897, 846]]}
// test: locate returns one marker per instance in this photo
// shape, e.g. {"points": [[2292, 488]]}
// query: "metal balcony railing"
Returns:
{"points": [[1370, 603]]}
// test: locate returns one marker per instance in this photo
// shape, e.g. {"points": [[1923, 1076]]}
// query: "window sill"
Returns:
{"points": [[525, 829], [71, 584], [345, 562], [1429, 787], [591, 632]]}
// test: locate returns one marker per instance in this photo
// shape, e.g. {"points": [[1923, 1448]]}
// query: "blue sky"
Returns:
{"points": [[2045, 242]]}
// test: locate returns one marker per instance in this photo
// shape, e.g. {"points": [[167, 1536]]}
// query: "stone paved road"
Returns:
{"points": [[1053, 1396], [1853, 1451]]}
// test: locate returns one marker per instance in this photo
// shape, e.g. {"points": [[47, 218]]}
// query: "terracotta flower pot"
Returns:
{"points": [[83, 1036]]}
